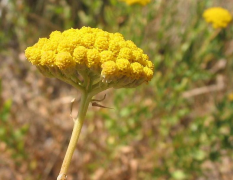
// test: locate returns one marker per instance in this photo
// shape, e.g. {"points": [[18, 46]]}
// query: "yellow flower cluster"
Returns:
{"points": [[218, 16], [91, 51], [141, 2]]}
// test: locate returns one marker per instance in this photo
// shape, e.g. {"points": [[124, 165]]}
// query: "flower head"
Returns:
{"points": [[218, 16], [93, 55], [141, 2]]}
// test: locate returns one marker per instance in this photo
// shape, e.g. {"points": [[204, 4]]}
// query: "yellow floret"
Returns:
{"points": [[137, 56], [51, 45], [122, 44], [114, 47], [125, 53], [102, 34], [47, 58], [93, 58], [123, 65], [109, 69], [41, 43], [88, 40], [65, 46], [80, 55], [75, 39], [68, 32], [64, 60], [137, 70], [131, 45], [119, 39], [218, 16], [85, 30], [101, 43], [145, 58], [33, 55], [150, 65], [117, 36], [148, 73], [106, 56], [55, 35]]}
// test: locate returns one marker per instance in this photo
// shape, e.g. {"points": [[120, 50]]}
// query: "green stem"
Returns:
{"points": [[85, 100], [206, 43]]}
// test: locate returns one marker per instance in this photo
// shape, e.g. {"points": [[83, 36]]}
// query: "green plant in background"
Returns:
{"points": [[11, 136], [91, 60], [221, 131], [183, 62]]}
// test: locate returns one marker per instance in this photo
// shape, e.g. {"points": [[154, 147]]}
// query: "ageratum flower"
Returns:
{"points": [[90, 58], [218, 16], [141, 2]]}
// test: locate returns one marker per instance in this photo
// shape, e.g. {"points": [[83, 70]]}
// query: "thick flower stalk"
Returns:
{"points": [[91, 60], [141, 2], [219, 17]]}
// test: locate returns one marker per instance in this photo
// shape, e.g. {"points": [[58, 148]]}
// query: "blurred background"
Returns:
{"points": [[177, 127]]}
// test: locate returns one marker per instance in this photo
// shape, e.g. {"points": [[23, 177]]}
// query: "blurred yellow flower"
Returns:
{"points": [[92, 53], [230, 97], [141, 2], [219, 17]]}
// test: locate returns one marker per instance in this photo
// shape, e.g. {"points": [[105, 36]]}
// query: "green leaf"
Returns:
{"points": [[199, 155], [179, 175]]}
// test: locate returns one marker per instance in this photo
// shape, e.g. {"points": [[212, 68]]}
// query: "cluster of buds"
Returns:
{"points": [[90, 58]]}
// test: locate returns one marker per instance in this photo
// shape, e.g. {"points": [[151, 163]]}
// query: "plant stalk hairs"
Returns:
{"points": [[91, 60]]}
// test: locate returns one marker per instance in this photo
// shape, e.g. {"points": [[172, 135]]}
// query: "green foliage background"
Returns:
{"points": [[173, 128]]}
